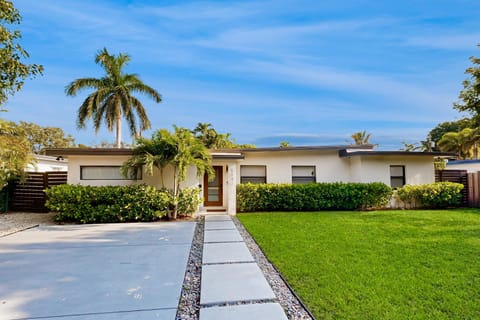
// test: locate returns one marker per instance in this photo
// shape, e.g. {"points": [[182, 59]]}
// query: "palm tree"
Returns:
{"points": [[112, 98], [181, 150], [361, 137], [462, 143]]}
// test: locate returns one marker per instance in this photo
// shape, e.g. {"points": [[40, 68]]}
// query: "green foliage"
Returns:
{"points": [[180, 149], [434, 195], [311, 197], [87, 204], [361, 137], [112, 97], [470, 95], [189, 200], [214, 140], [44, 137], [13, 72], [449, 126], [14, 153]]}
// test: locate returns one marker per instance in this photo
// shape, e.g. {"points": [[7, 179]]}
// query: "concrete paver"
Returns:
{"points": [[226, 253], [217, 217], [264, 311], [212, 225], [233, 282], [222, 236], [111, 271]]}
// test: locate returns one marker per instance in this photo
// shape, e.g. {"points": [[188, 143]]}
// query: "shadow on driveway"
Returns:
{"points": [[109, 271]]}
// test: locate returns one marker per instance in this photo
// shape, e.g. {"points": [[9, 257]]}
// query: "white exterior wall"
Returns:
{"points": [[46, 163], [75, 162], [329, 166], [470, 167], [418, 170]]}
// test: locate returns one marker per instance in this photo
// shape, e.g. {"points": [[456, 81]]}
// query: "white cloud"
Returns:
{"points": [[445, 41]]}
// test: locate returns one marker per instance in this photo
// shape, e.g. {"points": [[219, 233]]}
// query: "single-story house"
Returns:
{"points": [[45, 163], [469, 165], [101, 166]]}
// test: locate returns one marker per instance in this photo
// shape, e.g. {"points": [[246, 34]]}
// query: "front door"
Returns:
{"points": [[213, 190]]}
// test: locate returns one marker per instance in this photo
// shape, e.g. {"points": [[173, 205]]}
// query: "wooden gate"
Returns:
{"points": [[29, 196], [458, 176]]}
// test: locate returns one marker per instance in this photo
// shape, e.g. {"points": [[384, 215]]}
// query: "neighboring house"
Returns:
{"points": [[469, 165], [47, 163], [101, 166]]}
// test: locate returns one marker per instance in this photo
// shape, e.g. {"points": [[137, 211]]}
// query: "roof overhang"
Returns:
{"points": [[349, 153], [65, 152], [227, 156]]}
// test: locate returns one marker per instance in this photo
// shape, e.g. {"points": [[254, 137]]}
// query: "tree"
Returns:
{"points": [[180, 149], [207, 135], [14, 153], [284, 144], [464, 143], [361, 137], [13, 71], [470, 95], [44, 137], [112, 98], [449, 126]]}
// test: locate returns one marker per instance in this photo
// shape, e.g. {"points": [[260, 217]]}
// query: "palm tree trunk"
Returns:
{"points": [[119, 132]]}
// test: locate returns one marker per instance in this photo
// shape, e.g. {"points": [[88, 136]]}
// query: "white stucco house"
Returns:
{"points": [[101, 166], [470, 165], [45, 163]]}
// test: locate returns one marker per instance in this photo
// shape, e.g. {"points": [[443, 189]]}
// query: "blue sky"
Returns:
{"points": [[308, 72]]}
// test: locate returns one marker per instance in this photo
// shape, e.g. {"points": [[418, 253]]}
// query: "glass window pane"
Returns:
{"points": [[252, 171], [105, 173], [396, 182], [396, 171], [303, 171]]}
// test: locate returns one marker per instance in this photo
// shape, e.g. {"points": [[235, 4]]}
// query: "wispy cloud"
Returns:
{"points": [[445, 41]]}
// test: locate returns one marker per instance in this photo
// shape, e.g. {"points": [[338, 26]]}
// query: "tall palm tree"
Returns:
{"points": [[361, 137], [112, 98], [462, 143]]}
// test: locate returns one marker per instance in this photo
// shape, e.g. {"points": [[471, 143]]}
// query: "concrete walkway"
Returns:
{"points": [[106, 272], [230, 275]]}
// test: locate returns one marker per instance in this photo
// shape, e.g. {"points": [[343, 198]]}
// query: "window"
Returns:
{"points": [[107, 173], [397, 176], [253, 174], [303, 174]]}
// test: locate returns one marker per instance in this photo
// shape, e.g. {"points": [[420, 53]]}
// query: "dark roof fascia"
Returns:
{"points": [[228, 157], [298, 148], [452, 162], [65, 152], [344, 153]]}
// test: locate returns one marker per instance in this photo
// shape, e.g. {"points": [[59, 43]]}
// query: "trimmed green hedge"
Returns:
{"points": [[312, 197], [434, 195], [104, 204]]}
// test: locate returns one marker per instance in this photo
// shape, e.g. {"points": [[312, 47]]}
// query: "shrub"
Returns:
{"points": [[87, 204], [434, 195], [311, 197], [189, 200]]}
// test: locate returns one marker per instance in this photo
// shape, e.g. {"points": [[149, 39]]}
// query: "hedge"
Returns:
{"points": [[104, 204], [312, 197], [434, 195]]}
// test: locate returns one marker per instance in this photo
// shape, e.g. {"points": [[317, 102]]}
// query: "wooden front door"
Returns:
{"points": [[213, 190]]}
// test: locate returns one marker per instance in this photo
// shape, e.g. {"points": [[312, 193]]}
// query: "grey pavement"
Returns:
{"points": [[110, 271], [230, 275]]}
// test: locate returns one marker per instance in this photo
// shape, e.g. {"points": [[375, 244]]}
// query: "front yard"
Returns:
{"points": [[377, 265]]}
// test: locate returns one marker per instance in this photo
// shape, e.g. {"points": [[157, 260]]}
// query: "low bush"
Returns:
{"points": [[312, 197], [89, 204], [434, 195]]}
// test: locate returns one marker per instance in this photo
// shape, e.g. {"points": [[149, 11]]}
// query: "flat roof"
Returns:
{"points": [[345, 153], [296, 148]]}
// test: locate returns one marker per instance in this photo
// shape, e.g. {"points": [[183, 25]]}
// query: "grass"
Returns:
{"points": [[377, 265]]}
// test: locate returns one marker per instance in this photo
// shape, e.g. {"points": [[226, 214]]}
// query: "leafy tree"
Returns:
{"points": [[180, 149], [361, 137], [44, 137], [207, 135], [410, 146], [284, 144], [13, 71], [112, 98], [14, 153], [463, 143], [470, 95], [449, 126]]}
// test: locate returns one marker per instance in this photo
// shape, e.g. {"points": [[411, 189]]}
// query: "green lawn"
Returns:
{"points": [[377, 265]]}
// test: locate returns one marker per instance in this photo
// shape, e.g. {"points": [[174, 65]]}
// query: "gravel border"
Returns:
{"points": [[291, 303], [189, 304], [13, 222]]}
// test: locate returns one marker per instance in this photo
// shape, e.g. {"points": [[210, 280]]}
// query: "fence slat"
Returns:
{"points": [[458, 176], [29, 196]]}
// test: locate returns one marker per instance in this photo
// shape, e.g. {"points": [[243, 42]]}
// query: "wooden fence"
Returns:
{"points": [[471, 181], [29, 196]]}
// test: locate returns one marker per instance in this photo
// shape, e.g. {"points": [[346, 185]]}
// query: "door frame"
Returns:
{"points": [[219, 174]]}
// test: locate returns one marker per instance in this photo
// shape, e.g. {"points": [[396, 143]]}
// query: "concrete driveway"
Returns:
{"points": [[110, 271]]}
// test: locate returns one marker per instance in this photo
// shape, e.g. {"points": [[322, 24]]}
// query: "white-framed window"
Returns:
{"points": [[253, 174], [304, 174], [107, 173], [397, 176]]}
